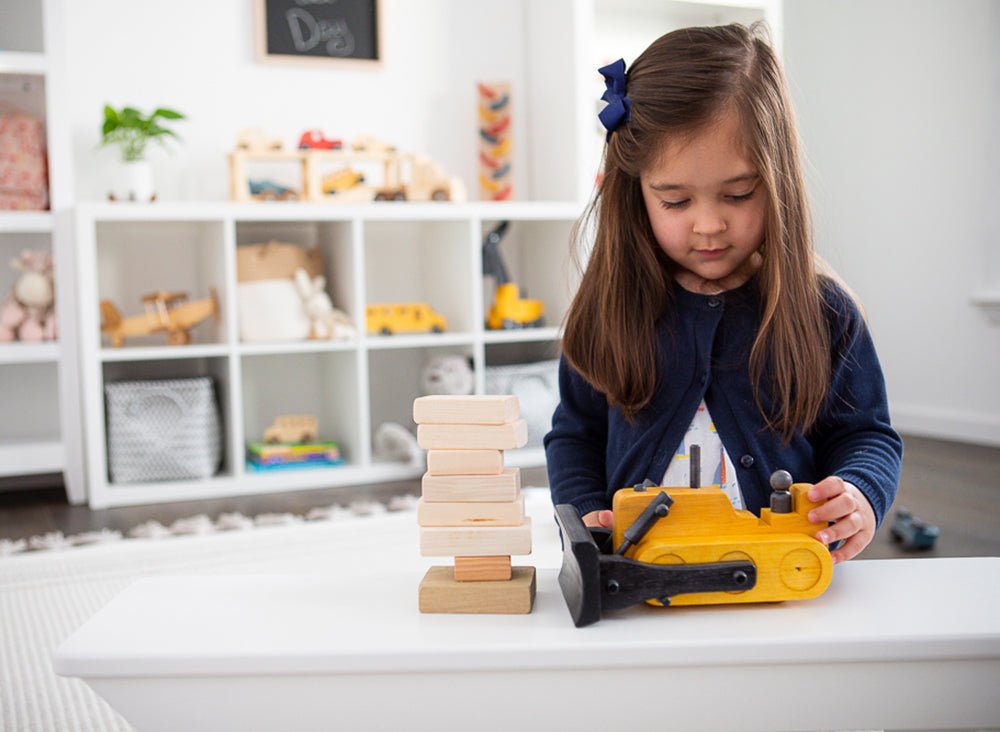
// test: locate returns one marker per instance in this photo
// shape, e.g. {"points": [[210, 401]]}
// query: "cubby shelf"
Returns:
{"points": [[25, 222], [380, 252], [25, 456], [23, 62], [29, 353]]}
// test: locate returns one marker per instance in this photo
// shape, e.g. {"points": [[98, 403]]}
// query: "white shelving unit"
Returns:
{"points": [[380, 252], [38, 381]]}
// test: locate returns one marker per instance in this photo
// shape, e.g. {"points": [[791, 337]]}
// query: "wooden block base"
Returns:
{"points": [[441, 593]]}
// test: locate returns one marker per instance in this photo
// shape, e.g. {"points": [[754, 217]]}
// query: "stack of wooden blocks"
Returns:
{"points": [[471, 507]]}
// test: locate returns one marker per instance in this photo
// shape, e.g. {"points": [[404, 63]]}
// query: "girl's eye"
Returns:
{"points": [[674, 204], [739, 198]]}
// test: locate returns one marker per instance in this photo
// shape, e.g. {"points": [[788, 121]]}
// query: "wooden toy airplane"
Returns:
{"points": [[689, 546], [168, 312]]}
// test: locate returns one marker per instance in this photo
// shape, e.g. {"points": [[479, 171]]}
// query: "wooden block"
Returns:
{"points": [[473, 515], [482, 569], [441, 593], [505, 436], [471, 488], [452, 409], [464, 462], [485, 541]]}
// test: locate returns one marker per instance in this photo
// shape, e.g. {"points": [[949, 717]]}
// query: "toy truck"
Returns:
{"points": [[292, 429], [689, 546]]}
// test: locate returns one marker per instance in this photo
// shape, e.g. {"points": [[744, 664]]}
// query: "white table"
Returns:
{"points": [[891, 644]]}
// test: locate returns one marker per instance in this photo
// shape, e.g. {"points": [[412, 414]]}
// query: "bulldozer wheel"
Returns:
{"points": [[440, 196], [385, 331]]}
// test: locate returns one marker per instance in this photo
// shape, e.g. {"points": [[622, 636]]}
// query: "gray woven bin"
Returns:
{"points": [[163, 430]]}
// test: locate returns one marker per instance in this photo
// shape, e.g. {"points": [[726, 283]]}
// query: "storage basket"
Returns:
{"points": [[536, 386], [163, 430]]}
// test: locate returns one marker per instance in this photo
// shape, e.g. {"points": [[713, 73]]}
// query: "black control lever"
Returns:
{"points": [[657, 509]]}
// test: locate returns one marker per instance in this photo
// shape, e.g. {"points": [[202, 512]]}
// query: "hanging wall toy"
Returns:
{"points": [[495, 180]]}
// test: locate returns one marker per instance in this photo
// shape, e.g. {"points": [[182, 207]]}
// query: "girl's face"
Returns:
{"points": [[707, 207]]}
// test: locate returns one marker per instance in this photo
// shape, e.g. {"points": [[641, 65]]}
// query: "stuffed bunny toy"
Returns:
{"points": [[326, 321]]}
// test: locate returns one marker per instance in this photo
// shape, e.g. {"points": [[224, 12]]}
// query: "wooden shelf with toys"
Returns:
{"points": [[342, 313]]}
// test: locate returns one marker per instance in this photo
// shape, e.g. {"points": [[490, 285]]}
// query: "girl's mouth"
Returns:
{"points": [[710, 253]]}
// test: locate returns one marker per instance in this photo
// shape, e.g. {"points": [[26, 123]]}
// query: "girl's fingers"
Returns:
{"points": [[827, 488], [598, 519], [851, 548], [835, 508], [845, 528]]}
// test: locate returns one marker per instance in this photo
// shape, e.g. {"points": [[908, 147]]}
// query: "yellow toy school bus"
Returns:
{"points": [[416, 317]]}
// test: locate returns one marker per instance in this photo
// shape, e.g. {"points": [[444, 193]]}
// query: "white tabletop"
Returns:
{"points": [[367, 621]]}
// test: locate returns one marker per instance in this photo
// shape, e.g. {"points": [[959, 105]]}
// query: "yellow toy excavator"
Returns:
{"points": [[509, 310], [689, 546]]}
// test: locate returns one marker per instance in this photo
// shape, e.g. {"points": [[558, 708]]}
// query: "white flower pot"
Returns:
{"points": [[133, 181]]}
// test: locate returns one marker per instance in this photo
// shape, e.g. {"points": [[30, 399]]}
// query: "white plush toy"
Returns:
{"points": [[326, 322], [447, 375], [28, 313]]}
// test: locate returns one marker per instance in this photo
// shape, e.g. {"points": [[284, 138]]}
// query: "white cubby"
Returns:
{"points": [[325, 384], [40, 379], [379, 252]]}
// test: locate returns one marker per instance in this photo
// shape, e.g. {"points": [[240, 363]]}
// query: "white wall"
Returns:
{"points": [[199, 57], [899, 108]]}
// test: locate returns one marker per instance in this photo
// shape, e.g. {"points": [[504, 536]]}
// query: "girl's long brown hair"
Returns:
{"points": [[683, 82]]}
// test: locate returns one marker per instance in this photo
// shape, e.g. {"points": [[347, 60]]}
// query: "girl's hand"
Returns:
{"points": [[852, 516], [599, 519]]}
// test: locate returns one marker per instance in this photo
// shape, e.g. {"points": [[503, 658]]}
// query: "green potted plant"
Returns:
{"points": [[132, 131]]}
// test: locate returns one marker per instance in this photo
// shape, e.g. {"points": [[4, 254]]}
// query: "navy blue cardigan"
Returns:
{"points": [[705, 348]]}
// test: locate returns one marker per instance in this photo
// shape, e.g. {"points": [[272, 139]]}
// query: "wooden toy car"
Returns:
{"points": [[417, 317], [292, 429], [911, 532], [168, 312], [316, 140], [266, 190], [424, 181], [254, 139], [689, 546]]}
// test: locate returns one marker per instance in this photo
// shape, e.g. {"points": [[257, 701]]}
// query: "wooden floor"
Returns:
{"points": [[955, 486]]}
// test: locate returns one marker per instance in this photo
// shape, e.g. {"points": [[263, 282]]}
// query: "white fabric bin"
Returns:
{"points": [[163, 430]]}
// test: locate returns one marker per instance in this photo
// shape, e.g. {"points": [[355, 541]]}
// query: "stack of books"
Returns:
{"points": [[263, 456]]}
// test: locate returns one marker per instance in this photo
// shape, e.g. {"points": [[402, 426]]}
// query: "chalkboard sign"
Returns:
{"points": [[318, 29]]}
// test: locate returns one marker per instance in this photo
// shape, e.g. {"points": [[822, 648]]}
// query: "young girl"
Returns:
{"points": [[702, 316]]}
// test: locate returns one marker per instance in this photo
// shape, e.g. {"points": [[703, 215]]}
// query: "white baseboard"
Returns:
{"points": [[944, 424]]}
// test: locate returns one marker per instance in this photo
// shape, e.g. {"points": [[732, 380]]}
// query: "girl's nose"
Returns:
{"points": [[709, 223]]}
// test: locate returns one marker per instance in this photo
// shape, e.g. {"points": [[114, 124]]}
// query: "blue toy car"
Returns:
{"points": [[266, 190], [912, 533]]}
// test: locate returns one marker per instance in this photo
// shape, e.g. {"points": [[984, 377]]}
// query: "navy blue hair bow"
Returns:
{"points": [[619, 107]]}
